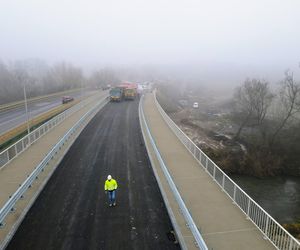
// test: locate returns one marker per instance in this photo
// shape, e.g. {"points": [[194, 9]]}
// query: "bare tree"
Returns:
{"points": [[39, 78], [103, 77], [290, 103], [252, 100], [63, 76]]}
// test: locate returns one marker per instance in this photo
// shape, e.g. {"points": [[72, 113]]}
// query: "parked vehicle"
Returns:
{"points": [[116, 94], [66, 99], [195, 105]]}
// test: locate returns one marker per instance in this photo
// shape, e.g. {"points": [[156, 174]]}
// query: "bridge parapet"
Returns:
{"points": [[267, 225]]}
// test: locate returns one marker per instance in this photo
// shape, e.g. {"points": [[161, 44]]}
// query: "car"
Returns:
{"points": [[66, 99], [195, 105], [106, 87]]}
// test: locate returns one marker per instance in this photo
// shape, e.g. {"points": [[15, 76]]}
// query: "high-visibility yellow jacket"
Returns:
{"points": [[110, 185]]}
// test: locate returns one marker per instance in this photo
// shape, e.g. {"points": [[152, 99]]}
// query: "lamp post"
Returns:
{"points": [[81, 93], [26, 111]]}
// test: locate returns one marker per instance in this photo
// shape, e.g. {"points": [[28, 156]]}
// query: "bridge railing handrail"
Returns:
{"points": [[269, 227], [189, 220], [10, 204], [18, 147]]}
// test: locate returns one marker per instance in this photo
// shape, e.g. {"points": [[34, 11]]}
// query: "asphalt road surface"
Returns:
{"points": [[72, 211], [14, 117]]}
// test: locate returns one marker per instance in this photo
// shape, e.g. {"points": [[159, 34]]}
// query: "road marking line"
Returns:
{"points": [[231, 231]]}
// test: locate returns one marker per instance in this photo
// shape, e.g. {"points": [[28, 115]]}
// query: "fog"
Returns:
{"points": [[218, 42]]}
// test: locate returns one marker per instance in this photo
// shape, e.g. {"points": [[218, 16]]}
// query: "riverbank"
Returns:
{"points": [[279, 196]]}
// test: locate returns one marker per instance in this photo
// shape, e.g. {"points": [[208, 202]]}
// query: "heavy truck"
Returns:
{"points": [[116, 94], [130, 93], [126, 91]]}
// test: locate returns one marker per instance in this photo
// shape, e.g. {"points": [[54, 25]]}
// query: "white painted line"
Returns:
{"points": [[231, 231]]}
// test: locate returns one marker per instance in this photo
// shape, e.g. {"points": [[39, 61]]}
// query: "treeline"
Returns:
{"points": [[41, 79], [266, 119], [269, 125]]}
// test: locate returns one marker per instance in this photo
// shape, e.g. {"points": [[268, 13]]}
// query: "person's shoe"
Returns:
{"points": [[114, 204], [110, 205]]}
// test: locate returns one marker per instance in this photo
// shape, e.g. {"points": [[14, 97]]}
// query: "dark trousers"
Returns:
{"points": [[112, 196]]}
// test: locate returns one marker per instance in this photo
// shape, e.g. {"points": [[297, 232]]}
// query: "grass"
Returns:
{"points": [[17, 137]]}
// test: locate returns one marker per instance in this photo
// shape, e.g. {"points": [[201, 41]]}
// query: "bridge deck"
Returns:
{"points": [[72, 210], [222, 224], [15, 173]]}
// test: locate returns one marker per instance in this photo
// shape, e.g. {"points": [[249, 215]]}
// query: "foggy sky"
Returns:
{"points": [[263, 33]]}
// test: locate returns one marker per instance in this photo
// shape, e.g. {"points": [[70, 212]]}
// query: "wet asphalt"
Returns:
{"points": [[17, 116], [72, 211]]}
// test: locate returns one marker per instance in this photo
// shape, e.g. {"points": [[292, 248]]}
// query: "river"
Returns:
{"points": [[279, 196]]}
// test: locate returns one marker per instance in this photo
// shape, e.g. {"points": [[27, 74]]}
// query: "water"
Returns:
{"points": [[279, 196]]}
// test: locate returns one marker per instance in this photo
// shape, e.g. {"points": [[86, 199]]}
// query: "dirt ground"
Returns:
{"points": [[208, 126]]}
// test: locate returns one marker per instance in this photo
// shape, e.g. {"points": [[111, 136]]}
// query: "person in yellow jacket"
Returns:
{"points": [[110, 187]]}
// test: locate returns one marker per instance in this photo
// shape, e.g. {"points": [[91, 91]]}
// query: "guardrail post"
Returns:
{"points": [[223, 182], [15, 148], [200, 157], [248, 209], [291, 244], [266, 229], [234, 194], [214, 173], [7, 155]]}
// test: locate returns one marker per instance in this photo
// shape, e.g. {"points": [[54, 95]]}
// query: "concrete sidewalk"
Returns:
{"points": [[221, 223]]}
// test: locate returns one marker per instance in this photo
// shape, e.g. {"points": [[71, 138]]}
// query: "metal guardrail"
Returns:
{"points": [[17, 148], [10, 204], [269, 227], [188, 218]]}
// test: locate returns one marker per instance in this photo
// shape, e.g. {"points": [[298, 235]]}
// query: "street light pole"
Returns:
{"points": [[26, 110]]}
